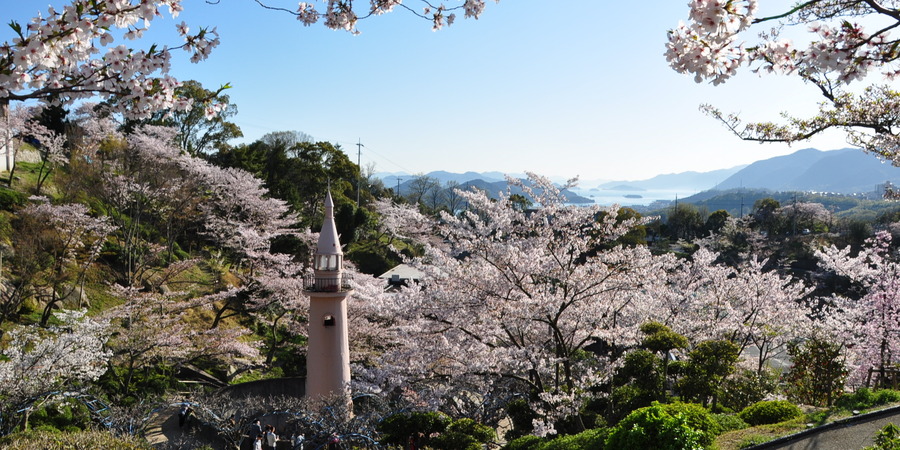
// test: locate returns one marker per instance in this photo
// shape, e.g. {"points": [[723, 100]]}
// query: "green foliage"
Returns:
{"points": [[435, 430], [372, 257], [818, 373], [683, 221], [708, 366], [865, 398], [527, 442], [133, 386], [660, 338], [463, 434], [299, 172], [766, 412], [591, 439], [521, 415], [48, 440], [626, 399], [729, 422], [748, 387], [887, 439], [398, 428], [67, 415], [716, 221], [661, 427], [10, 199]]}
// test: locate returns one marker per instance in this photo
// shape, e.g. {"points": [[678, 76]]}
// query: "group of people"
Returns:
{"points": [[266, 439]]}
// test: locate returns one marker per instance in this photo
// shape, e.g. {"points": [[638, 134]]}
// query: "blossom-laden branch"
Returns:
{"points": [[840, 50], [38, 359], [70, 53]]}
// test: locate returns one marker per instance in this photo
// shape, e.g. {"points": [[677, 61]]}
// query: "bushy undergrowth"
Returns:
{"points": [[888, 438], [593, 439], [865, 398], [767, 412], [49, 440], [674, 426], [729, 422], [70, 415]]}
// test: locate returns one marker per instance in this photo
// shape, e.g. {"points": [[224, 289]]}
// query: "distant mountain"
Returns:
{"points": [[494, 189], [492, 182], [844, 171], [688, 181]]}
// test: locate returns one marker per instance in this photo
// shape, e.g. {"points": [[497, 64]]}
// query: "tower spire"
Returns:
{"points": [[328, 352]]}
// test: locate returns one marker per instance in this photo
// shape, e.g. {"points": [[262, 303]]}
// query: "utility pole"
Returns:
{"points": [[398, 187], [359, 147]]}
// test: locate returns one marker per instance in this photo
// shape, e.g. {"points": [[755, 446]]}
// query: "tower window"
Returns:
{"points": [[329, 321]]}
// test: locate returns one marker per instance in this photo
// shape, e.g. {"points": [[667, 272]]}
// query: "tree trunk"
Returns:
{"points": [[7, 141]]}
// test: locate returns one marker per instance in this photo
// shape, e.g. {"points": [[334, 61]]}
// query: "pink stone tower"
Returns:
{"points": [[328, 355]]}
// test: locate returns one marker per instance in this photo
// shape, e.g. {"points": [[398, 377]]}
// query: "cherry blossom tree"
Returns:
{"points": [[847, 42], [38, 359], [517, 297], [746, 305], [149, 328], [74, 51], [871, 323]]}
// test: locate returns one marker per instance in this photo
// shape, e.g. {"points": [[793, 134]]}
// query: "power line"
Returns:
{"points": [[359, 147]]}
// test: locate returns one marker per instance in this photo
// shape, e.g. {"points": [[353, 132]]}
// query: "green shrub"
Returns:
{"points": [[729, 422], [818, 373], [67, 415], [664, 427], [865, 398], [464, 434], [592, 439], [529, 442], [885, 396], [399, 427], [709, 364], [58, 441], [521, 415], [887, 439], [748, 387], [767, 412], [10, 199]]}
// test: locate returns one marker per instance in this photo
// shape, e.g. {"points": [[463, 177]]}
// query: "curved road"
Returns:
{"points": [[852, 433]]}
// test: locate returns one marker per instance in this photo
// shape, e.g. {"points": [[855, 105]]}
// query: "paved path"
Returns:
{"points": [[163, 427], [852, 433], [163, 431]]}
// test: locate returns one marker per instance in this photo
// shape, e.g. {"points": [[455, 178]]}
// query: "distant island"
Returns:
{"points": [[633, 196]]}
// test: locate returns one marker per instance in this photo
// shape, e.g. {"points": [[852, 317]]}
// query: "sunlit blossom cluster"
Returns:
{"points": [[37, 359], [836, 51], [706, 46], [60, 56]]}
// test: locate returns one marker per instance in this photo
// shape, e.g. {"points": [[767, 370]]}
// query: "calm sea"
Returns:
{"points": [[608, 197]]}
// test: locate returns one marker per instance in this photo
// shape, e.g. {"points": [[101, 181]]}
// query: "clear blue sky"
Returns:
{"points": [[578, 87]]}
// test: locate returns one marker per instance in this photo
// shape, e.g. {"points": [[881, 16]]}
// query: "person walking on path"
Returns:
{"points": [[271, 438], [184, 412]]}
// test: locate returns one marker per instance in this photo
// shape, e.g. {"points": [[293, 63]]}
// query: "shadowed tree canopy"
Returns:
{"points": [[297, 170]]}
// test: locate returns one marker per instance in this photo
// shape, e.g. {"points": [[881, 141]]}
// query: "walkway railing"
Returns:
{"points": [[326, 284]]}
